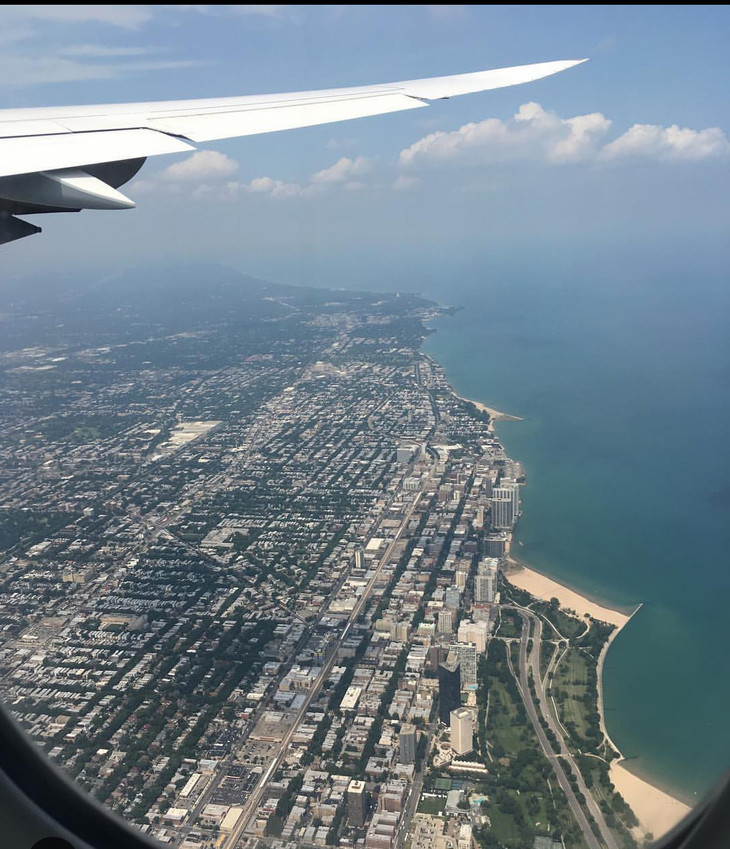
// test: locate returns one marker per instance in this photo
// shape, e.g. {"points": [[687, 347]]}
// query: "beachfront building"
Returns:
{"points": [[485, 581], [512, 484], [495, 544], [505, 504]]}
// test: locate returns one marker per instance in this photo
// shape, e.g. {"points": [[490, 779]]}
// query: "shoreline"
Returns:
{"points": [[656, 810], [544, 587], [494, 415]]}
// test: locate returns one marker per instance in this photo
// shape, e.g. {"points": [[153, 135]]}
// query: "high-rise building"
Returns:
{"points": [[407, 739], [503, 507], [449, 687], [511, 483], [467, 654], [403, 454], [474, 632], [357, 803], [460, 578], [436, 654], [452, 597], [392, 796], [505, 503], [495, 544], [446, 622], [485, 581], [461, 730]]}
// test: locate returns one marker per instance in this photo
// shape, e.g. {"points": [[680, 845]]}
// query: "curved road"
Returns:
{"points": [[556, 761]]}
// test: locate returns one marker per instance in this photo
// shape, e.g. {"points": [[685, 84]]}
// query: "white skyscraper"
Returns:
{"points": [[485, 581], [461, 731], [474, 632], [503, 507], [511, 483], [446, 622]]}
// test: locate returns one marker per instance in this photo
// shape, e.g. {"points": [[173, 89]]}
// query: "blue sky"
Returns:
{"points": [[632, 145]]}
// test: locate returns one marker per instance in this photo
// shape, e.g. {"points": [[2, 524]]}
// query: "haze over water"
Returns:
{"points": [[620, 362]]}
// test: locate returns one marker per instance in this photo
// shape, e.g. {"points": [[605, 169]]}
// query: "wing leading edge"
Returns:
{"points": [[64, 159]]}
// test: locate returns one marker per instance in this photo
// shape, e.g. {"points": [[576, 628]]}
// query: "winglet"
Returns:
{"points": [[437, 88]]}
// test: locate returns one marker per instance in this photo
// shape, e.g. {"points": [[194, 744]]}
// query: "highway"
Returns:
{"points": [[532, 663]]}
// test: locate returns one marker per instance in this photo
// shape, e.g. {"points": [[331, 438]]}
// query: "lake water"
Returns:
{"points": [[619, 360]]}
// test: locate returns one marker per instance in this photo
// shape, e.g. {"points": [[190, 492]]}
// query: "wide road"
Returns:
{"points": [[555, 762], [544, 705], [532, 662]]}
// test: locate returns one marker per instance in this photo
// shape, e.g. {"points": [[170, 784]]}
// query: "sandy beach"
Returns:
{"points": [[494, 415], [546, 588], [656, 810]]}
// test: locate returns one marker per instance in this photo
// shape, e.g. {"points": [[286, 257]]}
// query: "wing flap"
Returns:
{"points": [[74, 150]]}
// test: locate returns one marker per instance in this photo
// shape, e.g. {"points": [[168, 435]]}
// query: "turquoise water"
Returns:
{"points": [[620, 363]]}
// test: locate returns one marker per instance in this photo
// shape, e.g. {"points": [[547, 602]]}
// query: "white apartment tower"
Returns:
{"points": [[446, 622], [461, 731]]}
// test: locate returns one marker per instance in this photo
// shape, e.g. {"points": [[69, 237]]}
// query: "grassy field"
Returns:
{"points": [[433, 805], [569, 686], [520, 803], [510, 624]]}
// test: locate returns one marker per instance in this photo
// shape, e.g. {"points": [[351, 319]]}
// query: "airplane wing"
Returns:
{"points": [[65, 159]]}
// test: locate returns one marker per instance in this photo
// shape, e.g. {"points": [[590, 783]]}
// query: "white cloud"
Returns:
{"points": [[274, 188], [403, 183], [277, 12], [532, 133], [444, 11], [199, 176], [343, 170], [340, 144], [263, 11], [202, 165], [100, 51], [264, 186], [580, 142], [650, 140], [535, 134], [18, 70], [127, 17], [43, 48]]}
